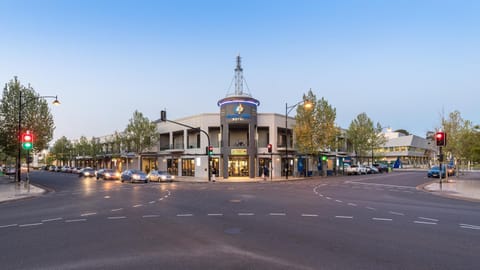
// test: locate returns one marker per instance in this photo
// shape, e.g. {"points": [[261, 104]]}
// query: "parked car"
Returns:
{"points": [[381, 167], [350, 169], [371, 170], [10, 170], [86, 172], [361, 169], [108, 174], [435, 172], [134, 176], [160, 176]]}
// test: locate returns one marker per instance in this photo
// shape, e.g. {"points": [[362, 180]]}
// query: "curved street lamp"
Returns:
{"points": [[307, 104], [21, 103]]}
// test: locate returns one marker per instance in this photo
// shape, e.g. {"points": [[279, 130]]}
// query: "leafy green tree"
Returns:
{"points": [[36, 117], [141, 132], [61, 150], [364, 136], [315, 129]]}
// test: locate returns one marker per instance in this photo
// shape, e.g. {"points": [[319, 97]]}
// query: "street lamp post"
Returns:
{"points": [[306, 104], [20, 108]]}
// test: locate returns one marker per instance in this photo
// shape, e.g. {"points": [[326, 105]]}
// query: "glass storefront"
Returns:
{"points": [[188, 167], [238, 166], [172, 166]]}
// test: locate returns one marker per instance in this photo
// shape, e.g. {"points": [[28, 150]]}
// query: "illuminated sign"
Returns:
{"points": [[238, 152]]}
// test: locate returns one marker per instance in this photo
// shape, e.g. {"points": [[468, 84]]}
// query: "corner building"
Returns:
{"points": [[239, 136]]}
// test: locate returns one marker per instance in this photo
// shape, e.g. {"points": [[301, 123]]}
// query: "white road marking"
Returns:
{"points": [[277, 214], [88, 214], [383, 185], [9, 225], [321, 195], [52, 219], [328, 198], [137, 205], [345, 217], [370, 208], [184, 215], [469, 226], [246, 214], [117, 217], [75, 220], [309, 215], [160, 199], [338, 201], [425, 222], [382, 219], [150, 216], [107, 197], [430, 219], [352, 204], [215, 215], [396, 213], [30, 225], [115, 210], [152, 202]]}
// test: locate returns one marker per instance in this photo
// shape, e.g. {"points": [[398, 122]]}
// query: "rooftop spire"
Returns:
{"points": [[239, 77]]}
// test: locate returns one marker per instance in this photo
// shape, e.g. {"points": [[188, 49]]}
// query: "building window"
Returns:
{"points": [[188, 167]]}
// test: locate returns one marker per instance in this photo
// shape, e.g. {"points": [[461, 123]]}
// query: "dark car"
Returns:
{"points": [[435, 172], [108, 174], [451, 170], [381, 167], [86, 172], [134, 176], [160, 176]]}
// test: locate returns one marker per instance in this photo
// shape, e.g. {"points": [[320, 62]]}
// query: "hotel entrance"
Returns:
{"points": [[238, 167]]}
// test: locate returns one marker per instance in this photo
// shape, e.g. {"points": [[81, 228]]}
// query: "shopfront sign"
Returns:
{"points": [[238, 152]]}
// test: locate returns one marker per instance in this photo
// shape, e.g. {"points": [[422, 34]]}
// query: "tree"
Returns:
{"points": [[315, 129], [36, 117], [61, 150], [364, 136], [141, 132]]}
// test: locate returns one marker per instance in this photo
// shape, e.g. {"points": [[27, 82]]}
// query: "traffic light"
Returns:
{"points": [[441, 138], [269, 147], [210, 150], [324, 158], [27, 140]]}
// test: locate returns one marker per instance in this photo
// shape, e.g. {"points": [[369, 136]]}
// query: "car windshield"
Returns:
{"points": [[137, 171]]}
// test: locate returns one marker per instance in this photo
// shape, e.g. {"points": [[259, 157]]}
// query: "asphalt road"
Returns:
{"points": [[356, 222]]}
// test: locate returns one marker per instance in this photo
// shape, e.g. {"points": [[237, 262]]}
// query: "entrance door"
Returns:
{"points": [[238, 166]]}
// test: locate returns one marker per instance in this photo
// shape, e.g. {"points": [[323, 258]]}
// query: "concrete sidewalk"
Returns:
{"points": [[466, 186], [11, 190]]}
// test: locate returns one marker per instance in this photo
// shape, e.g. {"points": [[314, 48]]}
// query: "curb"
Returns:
{"points": [[444, 194]]}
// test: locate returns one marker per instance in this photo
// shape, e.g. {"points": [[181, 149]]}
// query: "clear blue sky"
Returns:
{"points": [[401, 62]]}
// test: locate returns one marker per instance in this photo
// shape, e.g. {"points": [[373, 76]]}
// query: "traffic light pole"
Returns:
{"points": [[163, 117], [19, 147]]}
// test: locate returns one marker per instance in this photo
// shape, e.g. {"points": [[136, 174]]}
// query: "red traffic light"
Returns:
{"points": [[441, 138], [269, 147], [27, 137]]}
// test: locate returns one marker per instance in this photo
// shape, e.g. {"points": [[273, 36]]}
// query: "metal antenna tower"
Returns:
{"points": [[239, 78]]}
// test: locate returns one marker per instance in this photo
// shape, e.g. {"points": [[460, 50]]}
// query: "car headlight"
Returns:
{"points": [[136, 176], [163, 177]]}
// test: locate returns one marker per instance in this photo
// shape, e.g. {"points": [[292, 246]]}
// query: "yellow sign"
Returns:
{"points": [[238, 152]]}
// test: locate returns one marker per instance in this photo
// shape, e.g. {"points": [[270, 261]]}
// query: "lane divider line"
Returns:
{"points": [[425, 222], [382, 219], [30, 225], [246, 214], [352, 204], [344, 217], [396, 213], [277, 214], [184, 215], [152, 202], [215, 215], [338, 201], [117, 217], [429, 219], [9, 225], [150, 216], [370, 208], [88, 214], [309, 215], [115, 210], [75, 220], [52, 219]]}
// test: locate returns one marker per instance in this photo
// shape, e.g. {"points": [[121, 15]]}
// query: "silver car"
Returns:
{"points": [[160, 176], [133, 176]]}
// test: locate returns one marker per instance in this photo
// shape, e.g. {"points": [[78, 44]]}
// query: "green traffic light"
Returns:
{"points": [[27, 145]]}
